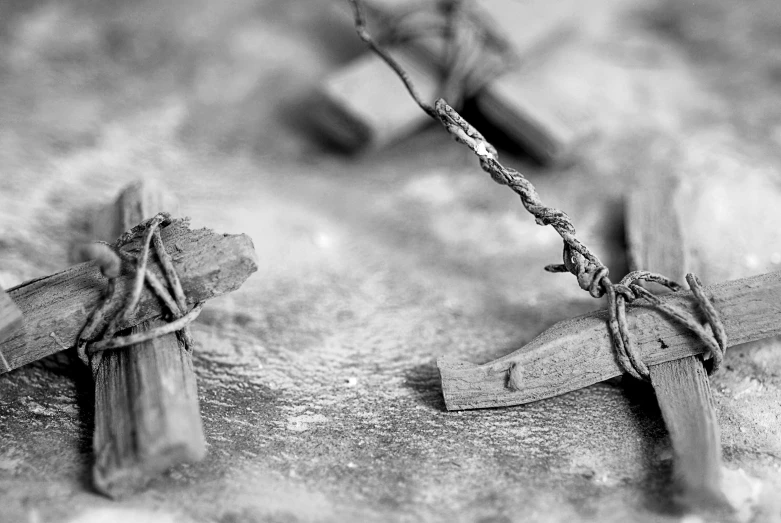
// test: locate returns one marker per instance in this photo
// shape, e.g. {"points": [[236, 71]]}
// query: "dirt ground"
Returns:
{"points": [[319, 390]]}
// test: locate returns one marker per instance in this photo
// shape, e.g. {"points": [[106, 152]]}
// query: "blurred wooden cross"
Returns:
{"points": [[519, 89], [10, 322], [146, 407]]}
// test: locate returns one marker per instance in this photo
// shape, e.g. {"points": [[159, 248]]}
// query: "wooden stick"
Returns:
{"points": [[147, 417], [56, 307], [10, 321], [578, 352], [365, 106], [682, 387]]}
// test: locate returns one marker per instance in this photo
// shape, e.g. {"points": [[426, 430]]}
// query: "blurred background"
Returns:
{"points": [[383, 246]]}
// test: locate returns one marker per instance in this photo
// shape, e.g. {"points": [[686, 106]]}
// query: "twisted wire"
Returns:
{"points": [[578, 259], [592, 275]]}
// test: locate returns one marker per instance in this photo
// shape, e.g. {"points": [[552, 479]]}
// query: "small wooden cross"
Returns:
{"points": [[578, 352], [363, 105], [147, 415]]}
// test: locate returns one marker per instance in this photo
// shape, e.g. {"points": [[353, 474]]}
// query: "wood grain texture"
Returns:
{"points": [[682, 387], [147, 416], [685, 399], [56, 307], [575, 353], [10, 321], [364, 105]]}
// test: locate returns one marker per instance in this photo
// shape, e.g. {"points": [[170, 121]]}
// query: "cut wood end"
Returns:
{"points": [[230, 261], [449, 371], [118, 482], [704, 500], [239, 251]]}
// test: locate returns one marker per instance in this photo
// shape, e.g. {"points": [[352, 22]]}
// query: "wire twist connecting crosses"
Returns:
{"points": [[591, 273]]}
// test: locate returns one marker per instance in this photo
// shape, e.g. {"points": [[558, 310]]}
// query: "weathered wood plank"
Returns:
{"points": [[147, 417], [10, 321], [56, 307], [683, 392], [575, 353], [682, 387]]}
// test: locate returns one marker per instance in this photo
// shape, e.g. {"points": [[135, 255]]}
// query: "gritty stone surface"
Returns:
{"points": [[319, 391]]}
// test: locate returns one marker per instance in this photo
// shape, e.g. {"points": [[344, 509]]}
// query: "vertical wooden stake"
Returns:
{"points": [[147, 417], [682, 387], [10, 321]]}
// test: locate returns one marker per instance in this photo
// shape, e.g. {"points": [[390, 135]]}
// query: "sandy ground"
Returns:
{"points": [[319, 391]]}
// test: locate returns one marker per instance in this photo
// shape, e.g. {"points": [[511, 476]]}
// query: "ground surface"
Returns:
{"points": [[319, 391]]}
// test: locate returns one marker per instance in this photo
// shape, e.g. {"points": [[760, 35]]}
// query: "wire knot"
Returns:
{"points": [[628, 290], [589, 272], [116, 309]]}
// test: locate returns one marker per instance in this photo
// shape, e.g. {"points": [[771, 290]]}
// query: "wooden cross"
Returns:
{"points": [[578, 352], [363, 105], [146, 410]]}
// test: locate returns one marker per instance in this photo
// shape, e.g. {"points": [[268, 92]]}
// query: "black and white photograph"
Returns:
{"points": [[304, 261]]}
